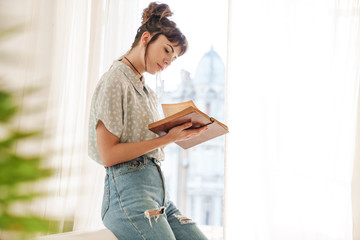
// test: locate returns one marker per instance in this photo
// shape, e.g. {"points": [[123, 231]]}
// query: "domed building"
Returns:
{"points": [[198, 182], [209, 84], [211, 69]]}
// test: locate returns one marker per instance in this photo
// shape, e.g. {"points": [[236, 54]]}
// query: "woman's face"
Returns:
{"points": [[160, 54]]}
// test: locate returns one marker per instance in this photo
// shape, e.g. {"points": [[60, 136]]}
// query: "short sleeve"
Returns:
{"points": [[109, 104]]}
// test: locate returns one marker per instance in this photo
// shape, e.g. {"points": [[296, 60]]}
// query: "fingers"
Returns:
{"points": [[197, 131], [184, 132], [191, 133], [185, 125]]}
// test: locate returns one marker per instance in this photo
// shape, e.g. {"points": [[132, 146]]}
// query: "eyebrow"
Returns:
{"points": [[171, 47]]}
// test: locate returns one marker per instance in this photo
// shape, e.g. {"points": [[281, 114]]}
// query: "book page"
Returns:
{"points": [[170, 109]]}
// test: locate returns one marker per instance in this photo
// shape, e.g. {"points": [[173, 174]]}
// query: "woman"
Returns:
{"points": [[135, 204]]}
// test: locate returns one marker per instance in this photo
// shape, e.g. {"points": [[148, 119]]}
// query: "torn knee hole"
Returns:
{"points": [[155, 213], [183, 219]]}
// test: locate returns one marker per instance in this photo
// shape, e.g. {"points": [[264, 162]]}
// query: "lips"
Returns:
{"points": [[160, 67]]}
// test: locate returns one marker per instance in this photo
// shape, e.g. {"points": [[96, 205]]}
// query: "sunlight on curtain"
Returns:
{"points": [[292, 95], [82, 38], [355, 187]]}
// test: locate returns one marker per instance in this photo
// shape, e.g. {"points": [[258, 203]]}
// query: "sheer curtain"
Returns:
{"points": [[355, 186], [293, 91], [88, 36], [67, 45]]}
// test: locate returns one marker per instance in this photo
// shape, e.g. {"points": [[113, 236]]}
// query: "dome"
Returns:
{"points": [[210, 70]]}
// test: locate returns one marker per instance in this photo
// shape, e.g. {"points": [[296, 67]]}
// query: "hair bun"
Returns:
{"points": [[156, 10]]}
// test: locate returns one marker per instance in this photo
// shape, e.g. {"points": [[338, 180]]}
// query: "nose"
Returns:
{"points": [[167, 62]]}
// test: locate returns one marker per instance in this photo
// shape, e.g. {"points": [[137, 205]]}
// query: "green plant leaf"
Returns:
{"points": [[11, 31], [14, 136], [29, 223], [7, 106]]}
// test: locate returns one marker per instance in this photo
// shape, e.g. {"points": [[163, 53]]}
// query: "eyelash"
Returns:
{"points": [[167, 52]]}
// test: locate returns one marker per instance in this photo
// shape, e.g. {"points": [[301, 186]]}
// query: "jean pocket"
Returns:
{"points": [[106, 198], [129, 167]]}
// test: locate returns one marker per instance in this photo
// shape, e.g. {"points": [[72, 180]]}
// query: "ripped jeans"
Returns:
{"points": [[135, 205]]}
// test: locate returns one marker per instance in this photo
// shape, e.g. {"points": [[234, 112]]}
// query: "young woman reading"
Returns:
{"points": [[135, 203]]}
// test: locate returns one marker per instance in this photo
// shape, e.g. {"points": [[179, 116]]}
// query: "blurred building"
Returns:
{"points": [[195, 176]]}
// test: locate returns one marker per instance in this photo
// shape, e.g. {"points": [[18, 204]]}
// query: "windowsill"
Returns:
{"points": [[212, 232]]}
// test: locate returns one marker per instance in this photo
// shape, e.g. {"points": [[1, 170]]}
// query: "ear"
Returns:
{"points": [[145, 38]]}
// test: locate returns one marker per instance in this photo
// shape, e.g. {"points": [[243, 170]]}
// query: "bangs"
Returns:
{"points": [[179, 40]]}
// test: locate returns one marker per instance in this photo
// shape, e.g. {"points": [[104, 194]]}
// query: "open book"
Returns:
{"points": [[179, 113]]}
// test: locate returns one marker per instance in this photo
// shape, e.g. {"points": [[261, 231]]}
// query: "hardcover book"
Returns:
{"points": [[179, 113]]}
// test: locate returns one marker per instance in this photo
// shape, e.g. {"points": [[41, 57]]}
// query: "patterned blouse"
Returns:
{"points": [[126, 106]]}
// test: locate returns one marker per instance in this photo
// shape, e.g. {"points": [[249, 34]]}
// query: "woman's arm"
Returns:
{"points": [[113, 152]]}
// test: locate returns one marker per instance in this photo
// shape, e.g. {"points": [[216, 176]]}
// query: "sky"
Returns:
{"points": [[204, 23]]}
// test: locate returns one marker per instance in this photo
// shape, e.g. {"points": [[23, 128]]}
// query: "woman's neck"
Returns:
{"points": [[135, 61]]}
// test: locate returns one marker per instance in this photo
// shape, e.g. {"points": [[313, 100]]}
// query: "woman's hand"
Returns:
{"points": [[182, 132]]}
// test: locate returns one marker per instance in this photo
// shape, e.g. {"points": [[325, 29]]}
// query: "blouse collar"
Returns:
{"points": [[138, 84]]}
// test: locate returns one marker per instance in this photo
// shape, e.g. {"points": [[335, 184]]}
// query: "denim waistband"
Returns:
{"points": [[143, 158]]}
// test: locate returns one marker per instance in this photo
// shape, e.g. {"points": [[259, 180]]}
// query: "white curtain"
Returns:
{"points": [[88, 36], [355, 186], [292, 96], [65, 48]]}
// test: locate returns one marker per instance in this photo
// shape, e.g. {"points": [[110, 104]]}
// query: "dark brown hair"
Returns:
{"points": [[155, 20]]}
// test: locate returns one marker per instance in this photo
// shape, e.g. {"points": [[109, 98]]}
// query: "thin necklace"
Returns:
{"points": [[141, 76]]}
